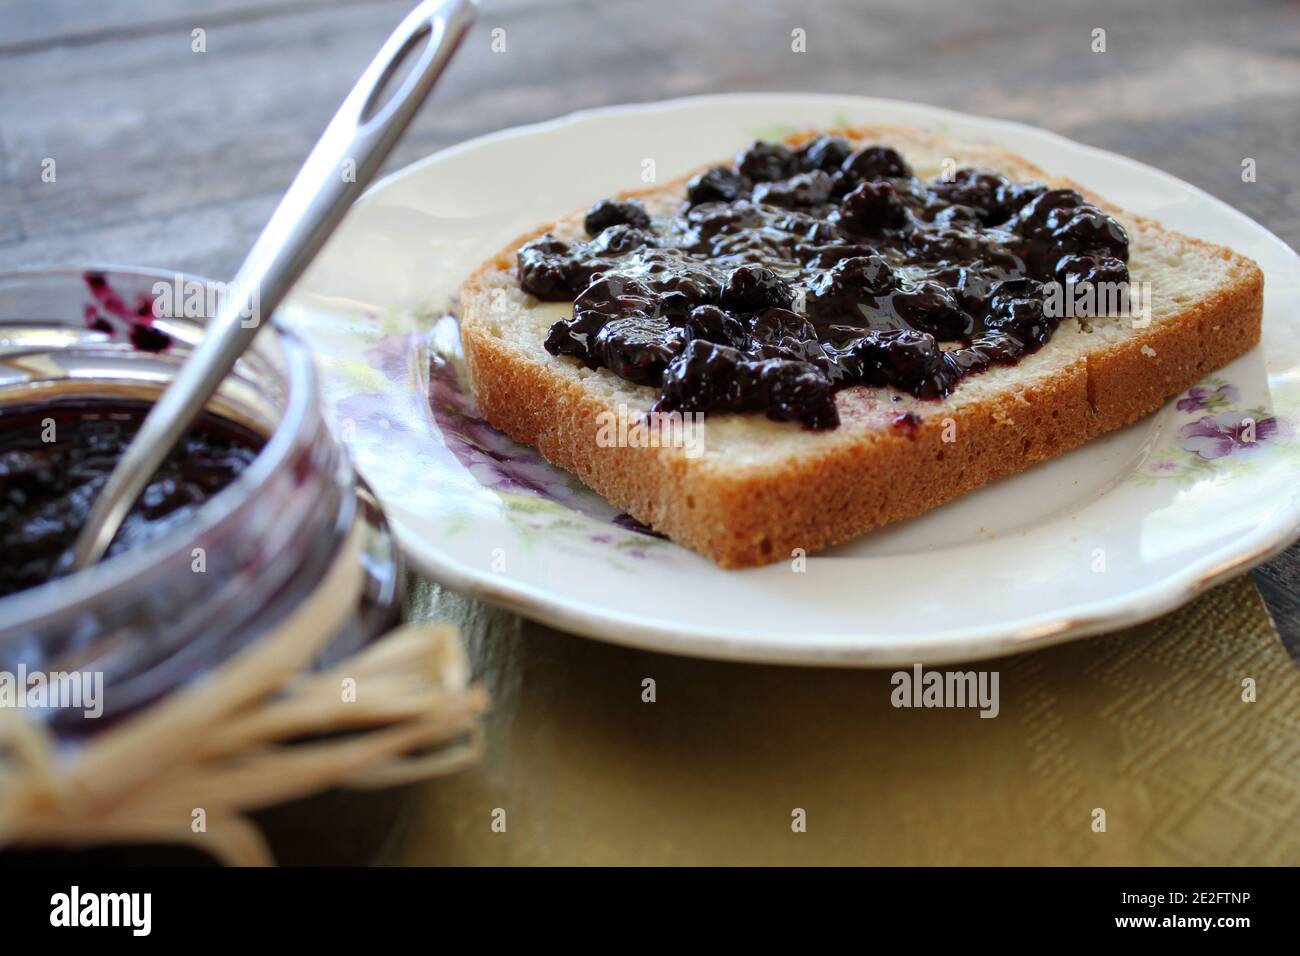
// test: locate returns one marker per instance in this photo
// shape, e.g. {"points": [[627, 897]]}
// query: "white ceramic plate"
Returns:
{"points": [[1117, 532]]}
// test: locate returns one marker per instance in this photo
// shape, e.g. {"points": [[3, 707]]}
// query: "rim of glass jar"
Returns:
{"points": [[296, 428]]}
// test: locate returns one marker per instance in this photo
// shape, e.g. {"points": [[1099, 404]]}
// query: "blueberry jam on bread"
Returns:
{"points": [[804, 270]]}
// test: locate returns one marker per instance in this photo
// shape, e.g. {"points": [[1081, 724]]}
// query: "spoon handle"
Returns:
{"points": [[342, 163]]}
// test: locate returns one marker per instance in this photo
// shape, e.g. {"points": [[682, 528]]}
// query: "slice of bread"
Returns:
{"points": [[762, 489]]}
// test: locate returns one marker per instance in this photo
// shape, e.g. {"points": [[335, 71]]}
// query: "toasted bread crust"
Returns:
{"points": [[810, 502]]}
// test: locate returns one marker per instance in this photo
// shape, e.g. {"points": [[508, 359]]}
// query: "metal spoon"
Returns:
{"points": [[362, 133]]}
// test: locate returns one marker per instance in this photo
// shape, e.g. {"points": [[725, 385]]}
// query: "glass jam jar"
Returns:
{"points": [[154, 617]]}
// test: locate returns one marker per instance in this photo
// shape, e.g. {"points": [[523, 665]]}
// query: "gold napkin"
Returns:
{"points": [[1147, 726]]}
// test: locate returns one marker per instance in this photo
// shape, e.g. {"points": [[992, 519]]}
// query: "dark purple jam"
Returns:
{"points": [[47, 487], [801, 271]]}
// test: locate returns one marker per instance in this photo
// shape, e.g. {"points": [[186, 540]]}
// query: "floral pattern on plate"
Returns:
{"points": [[537, 498], [1220, 439]]}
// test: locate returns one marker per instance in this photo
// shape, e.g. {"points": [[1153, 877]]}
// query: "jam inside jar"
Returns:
{"points": [[241, 526], [55, 458]]}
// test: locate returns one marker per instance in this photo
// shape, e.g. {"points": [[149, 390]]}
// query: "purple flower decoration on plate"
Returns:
{"points": [[1205, 398], [372, 408], [391, 356], [1217, 436], [493, 459], [500, 464]]}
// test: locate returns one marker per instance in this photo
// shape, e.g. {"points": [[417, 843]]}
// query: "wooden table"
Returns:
{"points": [[168, 155]]}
